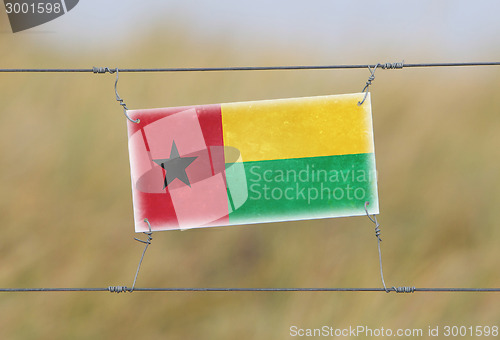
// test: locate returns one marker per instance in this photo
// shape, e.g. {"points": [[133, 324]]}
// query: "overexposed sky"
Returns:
{"points": [[436, 29]]}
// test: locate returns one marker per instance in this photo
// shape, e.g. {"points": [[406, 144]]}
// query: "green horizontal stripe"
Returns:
{"points": [[304, 188]]}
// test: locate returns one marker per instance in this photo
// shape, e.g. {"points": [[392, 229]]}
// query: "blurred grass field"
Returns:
{"points": [[66, 208]]}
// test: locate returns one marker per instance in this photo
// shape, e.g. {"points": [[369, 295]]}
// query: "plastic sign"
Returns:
{"points": [[252, 162]]}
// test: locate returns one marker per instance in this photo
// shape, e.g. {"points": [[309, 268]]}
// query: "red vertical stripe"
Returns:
{"points": [[210, 118], [158, 207]]}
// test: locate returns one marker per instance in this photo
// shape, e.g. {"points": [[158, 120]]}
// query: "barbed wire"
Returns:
{"points": [[398, 65]]}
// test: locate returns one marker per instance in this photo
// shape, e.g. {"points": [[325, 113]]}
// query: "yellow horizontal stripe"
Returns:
{"points": [[299, 127]]}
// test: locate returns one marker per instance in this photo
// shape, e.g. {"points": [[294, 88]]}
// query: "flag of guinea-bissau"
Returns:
{"points": [[252, 162]]}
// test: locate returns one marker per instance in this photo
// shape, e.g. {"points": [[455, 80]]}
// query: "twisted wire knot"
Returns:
{"points": [[374, 221], [378, 232], [147, 233], [403, 289], [118, 289], [103, 70], [369, 81], [392, 66]]}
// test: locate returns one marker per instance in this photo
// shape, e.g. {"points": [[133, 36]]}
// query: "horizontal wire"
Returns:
{"points": [[460, 290], [245, 68]]}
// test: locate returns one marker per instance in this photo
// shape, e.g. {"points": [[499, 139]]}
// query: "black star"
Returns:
{"points": [[175, 166]]}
